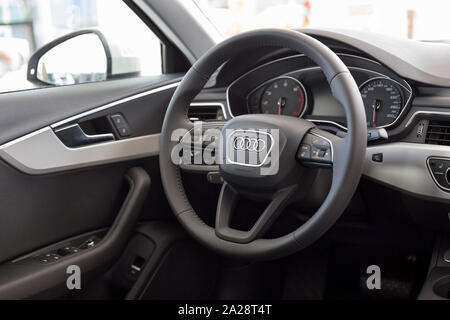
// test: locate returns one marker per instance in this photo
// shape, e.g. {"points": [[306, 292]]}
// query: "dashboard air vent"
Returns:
{"points": [[438, 132], [205, 112]]}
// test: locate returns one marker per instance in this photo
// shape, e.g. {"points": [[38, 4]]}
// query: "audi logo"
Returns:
{"points": [[249, 144]]}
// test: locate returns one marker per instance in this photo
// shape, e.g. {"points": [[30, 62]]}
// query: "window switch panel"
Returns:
{"points": [[121, 125]]}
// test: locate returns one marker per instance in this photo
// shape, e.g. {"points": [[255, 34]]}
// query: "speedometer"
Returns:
{"points": [[383, 101], [284, 96]]}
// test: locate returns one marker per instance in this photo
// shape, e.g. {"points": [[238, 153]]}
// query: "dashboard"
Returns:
{"points": [[405, 87], [294, 86]]}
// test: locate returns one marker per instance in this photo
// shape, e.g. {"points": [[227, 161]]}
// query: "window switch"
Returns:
{"points": [[121, 125], [48, 258], [135, 269], [67, 251], [124, 131], [43, 259]]}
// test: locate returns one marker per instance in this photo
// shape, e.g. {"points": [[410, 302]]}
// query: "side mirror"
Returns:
{"points": [[79, 57]]}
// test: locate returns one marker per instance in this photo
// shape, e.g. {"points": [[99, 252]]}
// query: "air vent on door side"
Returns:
{"points": [[438, 133], [206, 112]]}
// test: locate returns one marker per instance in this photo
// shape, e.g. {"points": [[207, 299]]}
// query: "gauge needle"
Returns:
{"points": [[281, 105], [374, 117], [376, 105]]}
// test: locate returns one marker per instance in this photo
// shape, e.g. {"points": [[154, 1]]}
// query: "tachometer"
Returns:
{"points": [[284, 96], [383, 101]]}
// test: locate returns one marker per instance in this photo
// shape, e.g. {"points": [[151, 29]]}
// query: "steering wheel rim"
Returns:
{"points": [[348, 157]]}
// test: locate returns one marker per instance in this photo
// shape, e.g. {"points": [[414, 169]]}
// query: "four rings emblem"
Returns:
{"points": [[249, 144]]}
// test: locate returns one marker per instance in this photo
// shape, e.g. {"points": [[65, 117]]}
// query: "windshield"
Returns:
{"points": [[413, 19]]}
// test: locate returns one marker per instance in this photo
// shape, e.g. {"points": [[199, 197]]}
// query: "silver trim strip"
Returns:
{"points": [[42, 152], [115, 103], [329, 122], [205, 104], [106, 136], [428, 113], [405, 167]]}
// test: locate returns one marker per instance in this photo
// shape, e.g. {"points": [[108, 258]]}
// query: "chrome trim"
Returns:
{"points": [[42, 152], [428, 113], [283, 77], [383, 77], [103, 135], [245, 164], [329, 122], [219, 104], [115, 103], [67, 127], [135, 268], [249, 144]]}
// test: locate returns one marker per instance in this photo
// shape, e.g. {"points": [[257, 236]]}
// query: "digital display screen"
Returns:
{"points": [[324, 103]]}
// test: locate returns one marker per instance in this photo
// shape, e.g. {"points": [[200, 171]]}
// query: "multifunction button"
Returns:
{"points": [[315, 148], [440, 170]]}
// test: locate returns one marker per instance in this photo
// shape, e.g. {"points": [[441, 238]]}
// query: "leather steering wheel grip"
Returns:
{"points": [[347, 168]]}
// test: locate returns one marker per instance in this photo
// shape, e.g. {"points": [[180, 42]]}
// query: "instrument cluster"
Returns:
{"points": [[305, 92]]}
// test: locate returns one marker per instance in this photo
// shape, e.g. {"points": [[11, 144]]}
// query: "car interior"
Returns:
{"points": [[362, 150]]}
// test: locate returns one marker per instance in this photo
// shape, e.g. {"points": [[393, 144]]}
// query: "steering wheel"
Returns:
{"points": [[296, 148]]}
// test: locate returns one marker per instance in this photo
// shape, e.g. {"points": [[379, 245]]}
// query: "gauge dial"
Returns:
{"points": [[383, 101], [284, 96]]}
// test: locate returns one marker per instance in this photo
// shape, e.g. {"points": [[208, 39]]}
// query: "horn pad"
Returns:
{"points": [[259, 151]]}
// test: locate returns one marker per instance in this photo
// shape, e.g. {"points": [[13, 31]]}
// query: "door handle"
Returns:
{"points": [[74, 137]]}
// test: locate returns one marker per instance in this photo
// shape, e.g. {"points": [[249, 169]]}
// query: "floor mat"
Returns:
{"points": [[306, 274], [400, 273]]}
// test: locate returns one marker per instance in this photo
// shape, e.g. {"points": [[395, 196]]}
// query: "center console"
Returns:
{"points": [[437, 284]]}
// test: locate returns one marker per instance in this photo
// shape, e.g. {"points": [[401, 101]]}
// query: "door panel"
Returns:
{"points": [[37, 211], [26, 154], [27, 111], [35, 274], [43, 205]]}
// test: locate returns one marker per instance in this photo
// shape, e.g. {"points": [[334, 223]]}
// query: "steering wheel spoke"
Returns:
{"points": [[226, 207], [198, 137]]}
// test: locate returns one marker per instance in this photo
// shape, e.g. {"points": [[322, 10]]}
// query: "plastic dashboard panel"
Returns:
{"points": [[424, 62], [404, 165]]}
